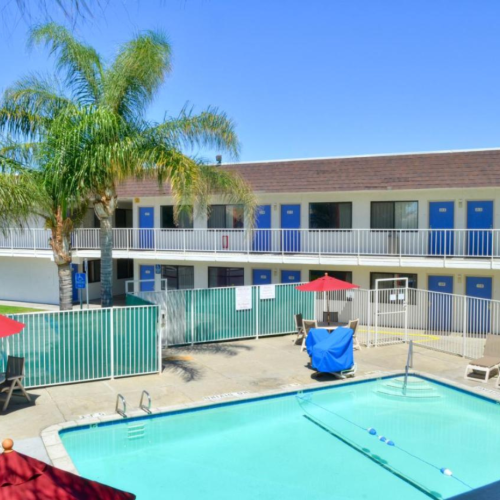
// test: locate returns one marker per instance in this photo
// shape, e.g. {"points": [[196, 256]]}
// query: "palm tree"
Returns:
{"points": [[100, 134], [28, 191]]}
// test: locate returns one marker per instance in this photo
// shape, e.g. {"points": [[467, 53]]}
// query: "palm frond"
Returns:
{"points": [[79, 62], [137, 73], [211, 128]]}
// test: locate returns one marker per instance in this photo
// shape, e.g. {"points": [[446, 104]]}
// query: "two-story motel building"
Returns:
{"points": [[431, 217]]}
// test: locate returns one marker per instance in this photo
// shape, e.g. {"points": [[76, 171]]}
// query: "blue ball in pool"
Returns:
{"points": [[372, 431], [382, 438], [390, 443]]}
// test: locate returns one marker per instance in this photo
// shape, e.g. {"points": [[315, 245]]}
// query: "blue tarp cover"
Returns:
{"points": [[335, 352], [315, 336]]}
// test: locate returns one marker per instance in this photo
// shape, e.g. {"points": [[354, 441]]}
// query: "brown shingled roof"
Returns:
{"points": [[466, 169]]}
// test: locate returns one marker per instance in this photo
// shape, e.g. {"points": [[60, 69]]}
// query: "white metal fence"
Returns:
{"points": [[357, 242], [449, 323]]}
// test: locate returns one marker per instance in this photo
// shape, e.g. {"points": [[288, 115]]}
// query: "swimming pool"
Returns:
{"points": [[352, 441]]}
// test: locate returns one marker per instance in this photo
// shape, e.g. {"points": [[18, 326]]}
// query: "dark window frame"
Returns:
{"points": [[126, 265], [331, 273], [174, 226], [225, 216], [94, 275], [165, 276], [349, 203], [227, 277], [393, 215]]}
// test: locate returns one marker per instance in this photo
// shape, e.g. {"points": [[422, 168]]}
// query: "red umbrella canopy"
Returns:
{"points": [[9, 326], [25, 478], [326, 284]]}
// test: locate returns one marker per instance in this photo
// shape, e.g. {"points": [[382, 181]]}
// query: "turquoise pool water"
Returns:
{"points": [[313, 445]]}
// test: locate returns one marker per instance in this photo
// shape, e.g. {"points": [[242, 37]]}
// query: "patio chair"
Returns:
{"points": [[13, 376], [308, 325], [299, 325], [489, 364], [353, 325]]}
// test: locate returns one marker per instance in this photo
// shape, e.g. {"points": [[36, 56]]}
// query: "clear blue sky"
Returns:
{"points": [[318, 77]]}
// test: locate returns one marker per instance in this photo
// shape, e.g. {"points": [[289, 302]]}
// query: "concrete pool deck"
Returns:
{"points": [[216, 372]]}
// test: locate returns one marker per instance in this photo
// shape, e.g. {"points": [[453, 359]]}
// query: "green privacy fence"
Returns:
{"points": [[215, 314], [73, 346]]}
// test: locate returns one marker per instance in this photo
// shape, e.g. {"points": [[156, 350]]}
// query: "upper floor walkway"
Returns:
{"points": [[454, 248]]}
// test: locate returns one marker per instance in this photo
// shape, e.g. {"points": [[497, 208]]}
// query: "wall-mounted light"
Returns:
{"points": [[459, 278], [275, 206], [275, 271], [137, 200], [460, 203]]}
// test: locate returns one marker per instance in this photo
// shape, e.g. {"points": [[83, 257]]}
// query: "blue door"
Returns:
{"points": [[290, 276], [479, 216], [290, 220], [262, 239], [440, 303], [74, 270], [478, 311], [261, 276], [441, 217], [146, 225], [147, 278]]}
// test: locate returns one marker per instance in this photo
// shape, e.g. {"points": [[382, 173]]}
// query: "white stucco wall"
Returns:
{"points": [[29, 280]]}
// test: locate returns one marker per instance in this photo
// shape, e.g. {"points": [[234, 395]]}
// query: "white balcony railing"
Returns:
{"points": [[355, 242]]}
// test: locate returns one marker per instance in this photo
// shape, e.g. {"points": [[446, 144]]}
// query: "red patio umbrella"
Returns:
{"points": [[26, 478], [326, 284], [9, 326]]}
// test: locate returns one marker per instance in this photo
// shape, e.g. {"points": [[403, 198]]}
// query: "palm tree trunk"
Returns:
{"points": [[65, 287], [60, 243], [106, 242], [105, 206]]}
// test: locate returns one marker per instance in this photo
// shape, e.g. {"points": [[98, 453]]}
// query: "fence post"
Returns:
{"points": [[158, 336], [257, 295], [112, 339], [192, 316], [464, 340]]}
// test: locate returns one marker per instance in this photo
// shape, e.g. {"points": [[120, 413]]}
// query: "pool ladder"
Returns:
{"points": [[121, 404], [409, 364]]}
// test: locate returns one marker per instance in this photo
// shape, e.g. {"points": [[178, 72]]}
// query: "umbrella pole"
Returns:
{"points": [[327, 308]]}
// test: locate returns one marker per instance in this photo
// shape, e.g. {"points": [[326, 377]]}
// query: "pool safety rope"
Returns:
{"points": [[307, 398]]}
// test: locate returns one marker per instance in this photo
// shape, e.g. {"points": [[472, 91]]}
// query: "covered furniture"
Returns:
{"points": [[308, 325], [13, 377], [483, 368], [334, 354], [315, 336]]}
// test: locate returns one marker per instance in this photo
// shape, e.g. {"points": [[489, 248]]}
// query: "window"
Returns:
{"points": [[123, 217], [394, 215], [340, 275], [225, 217], [94, 270], [167, 218], [124, 269], [412, 283], [225, 276], [330, 215], [178, 277]]}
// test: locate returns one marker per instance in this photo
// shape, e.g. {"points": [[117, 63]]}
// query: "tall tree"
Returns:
{"points": [[100, 134], [29, 191]]}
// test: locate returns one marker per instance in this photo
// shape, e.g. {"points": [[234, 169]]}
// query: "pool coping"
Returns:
{"points": [[60, 457]]}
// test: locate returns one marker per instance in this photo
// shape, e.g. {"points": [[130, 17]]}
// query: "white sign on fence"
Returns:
{"points": [[267, 292], [243, 298]]}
